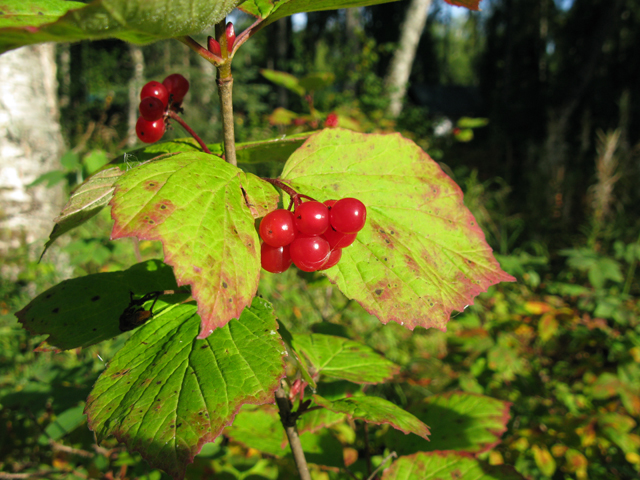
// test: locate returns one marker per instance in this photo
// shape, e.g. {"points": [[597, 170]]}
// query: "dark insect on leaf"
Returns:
{"points": [[135, 314]]}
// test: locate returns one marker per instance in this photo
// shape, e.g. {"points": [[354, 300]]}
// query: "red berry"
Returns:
{"points": [[309, 253], [312, 218], [277, 228], [149, 132], [331, 121], [337, 239], [155, 89], [274, 259], [334, 258], [348, 215], [214, 46], [231, 36], [151, 109], [176, 85]]}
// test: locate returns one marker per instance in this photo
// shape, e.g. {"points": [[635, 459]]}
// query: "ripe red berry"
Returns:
{"points": [[348, 215], [337, 239], [231, 36], [309, 253], [277, 228], [151, 109], [334, 258], [331, 121], [149, 132], [312, 218], [155, 89], [176, 85], [274, 259]]}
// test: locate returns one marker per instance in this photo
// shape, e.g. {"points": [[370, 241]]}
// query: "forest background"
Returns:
{"points": [[533, 107]]}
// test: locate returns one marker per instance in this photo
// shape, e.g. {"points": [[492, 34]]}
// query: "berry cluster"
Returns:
{"points": [[155, 100], [312, 237]]}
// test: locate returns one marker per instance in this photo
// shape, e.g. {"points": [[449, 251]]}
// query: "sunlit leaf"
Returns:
{"points": [[421, 254]]}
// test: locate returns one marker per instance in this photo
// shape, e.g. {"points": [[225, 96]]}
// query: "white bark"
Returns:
{"points": [[400, 67], [135, 85], [30, 145]]}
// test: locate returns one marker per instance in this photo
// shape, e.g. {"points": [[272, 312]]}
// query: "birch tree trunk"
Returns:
{"points": [[135, 85], [400, 67], [30, 145]]}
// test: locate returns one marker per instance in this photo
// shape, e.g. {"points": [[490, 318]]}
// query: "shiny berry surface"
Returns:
{"points": [[348, 215], [277, 228], [309, 253], [149, 132], [155, 89], [311, 218], [176, 85], [274, 259], [151, 109], [334, 258], [337, 239]]}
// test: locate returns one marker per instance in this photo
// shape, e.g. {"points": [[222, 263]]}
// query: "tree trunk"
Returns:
{"points": [[30, 145], [400, 67], [135, 85]]}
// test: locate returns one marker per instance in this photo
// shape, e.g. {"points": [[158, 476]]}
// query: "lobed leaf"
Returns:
{"points": [[165, 393], [376, 410], [194, 204], [459, 421], [34, 12], [272, 10], [440, 465], [84, 311], [421, 254], [136, 21], [342, 358]]}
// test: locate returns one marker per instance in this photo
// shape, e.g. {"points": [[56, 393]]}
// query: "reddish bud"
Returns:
{"points": [[231, 36], [214, 46]]}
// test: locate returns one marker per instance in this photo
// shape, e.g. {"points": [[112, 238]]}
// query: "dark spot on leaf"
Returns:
{"points": [[179, 425], [387, 240], [381, 231], [224, 285], [385, 259], [158, 399], [55, 310], [171, 426], [392, 232], [204, 346], [378, 291], [231, 300], [48, 296], [163, 207], [158, 383], [96, 298], [40, 13], [95, 329], [151, 222]]}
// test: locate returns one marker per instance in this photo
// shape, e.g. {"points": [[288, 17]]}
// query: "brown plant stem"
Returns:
{"points": [[200, 50], [289, 423], [384, 460], [173, 115], [225, 90]]}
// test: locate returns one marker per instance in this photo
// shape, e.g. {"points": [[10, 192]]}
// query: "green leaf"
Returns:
{"points": [[421, 254], [458, 421], [283, 79], [137, 21], [34, 12], [342, 358], [85, 203], [468, 122], [66, 422], [319, 448], [441, 465], [288, 339], [317, 81], [86, 310], [95, 160], [376, 410], [544, 460], [275, 9], [193, 203], [52, 178], [165, 394], [282, 116]]}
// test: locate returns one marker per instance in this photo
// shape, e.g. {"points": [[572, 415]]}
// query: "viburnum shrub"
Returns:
{"points": [[373, 213]]}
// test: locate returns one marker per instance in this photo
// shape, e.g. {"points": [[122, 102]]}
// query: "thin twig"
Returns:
{"points": [[173, 115], [246, 34], [75, 451], [200, 50], [384, 460], [289, 424]]}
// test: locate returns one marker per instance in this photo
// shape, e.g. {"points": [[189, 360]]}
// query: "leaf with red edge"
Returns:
{"points": [[450, 465], [421, 254], [376, 410], [165, 394], [194, 204], [459, 421], [470, 4]]}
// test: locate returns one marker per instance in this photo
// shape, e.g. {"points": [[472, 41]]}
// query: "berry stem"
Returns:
{"points": [[295, 196], [178, 119]]}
